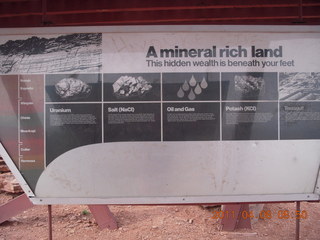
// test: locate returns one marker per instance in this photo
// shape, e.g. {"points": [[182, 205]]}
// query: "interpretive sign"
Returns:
{"points": [[162, 114]]}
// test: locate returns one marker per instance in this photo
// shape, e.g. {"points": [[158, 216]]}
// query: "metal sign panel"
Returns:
{"points": [[185, 114]]}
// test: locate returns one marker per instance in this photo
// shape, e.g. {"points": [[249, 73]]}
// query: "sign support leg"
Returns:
{"points": [[50, 221], [297, 220], [103, 216], [14, 207], [234, 217]]}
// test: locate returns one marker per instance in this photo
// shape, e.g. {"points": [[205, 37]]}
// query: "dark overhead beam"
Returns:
{"points": [[186, 14], [168, 8], [17, 13], [20, 14], [20, 8], [262, 21], [171, 8], [27, 10], [10, 1], [66, 12]]}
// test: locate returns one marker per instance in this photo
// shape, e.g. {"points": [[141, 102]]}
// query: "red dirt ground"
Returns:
{"points": [[155, 222]]}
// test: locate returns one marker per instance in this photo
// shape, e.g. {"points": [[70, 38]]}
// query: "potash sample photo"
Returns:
{"points": [[78, 52], [131, 87], [299, 86], [191, 86], [73, 87], [249, 86]]}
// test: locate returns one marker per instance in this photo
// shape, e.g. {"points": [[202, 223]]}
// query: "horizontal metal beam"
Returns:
{"points": [[22, 11], [181, 200], [173, 8], [11, 1], [165, 4], [156, 17], [72, 13]]}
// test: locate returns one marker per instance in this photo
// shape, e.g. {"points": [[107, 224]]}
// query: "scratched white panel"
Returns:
{"points": [[182, 169]]}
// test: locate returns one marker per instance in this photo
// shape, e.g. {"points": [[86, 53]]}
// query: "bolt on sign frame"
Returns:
{"points": [[162, 114]]}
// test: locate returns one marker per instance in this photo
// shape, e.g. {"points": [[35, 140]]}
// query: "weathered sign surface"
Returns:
{"points": [[162, 115]]}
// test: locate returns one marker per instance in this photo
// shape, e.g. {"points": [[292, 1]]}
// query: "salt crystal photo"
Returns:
{"points": [[131, 87]]}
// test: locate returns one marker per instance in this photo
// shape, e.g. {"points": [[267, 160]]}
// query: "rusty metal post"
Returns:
{"points": [[297, 220], [50, 221]]}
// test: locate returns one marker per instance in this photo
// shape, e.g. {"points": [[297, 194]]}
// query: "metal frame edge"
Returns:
{"points": [[160, 28], [191, 200]]}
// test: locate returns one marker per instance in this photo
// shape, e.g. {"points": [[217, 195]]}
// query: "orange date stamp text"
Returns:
{"points": [[264, 214]]}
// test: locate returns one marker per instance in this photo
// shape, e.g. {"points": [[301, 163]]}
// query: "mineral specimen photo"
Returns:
{"points": [[299, 86], [249, 86], [131, 87], [127, 87], [73, 87]]}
